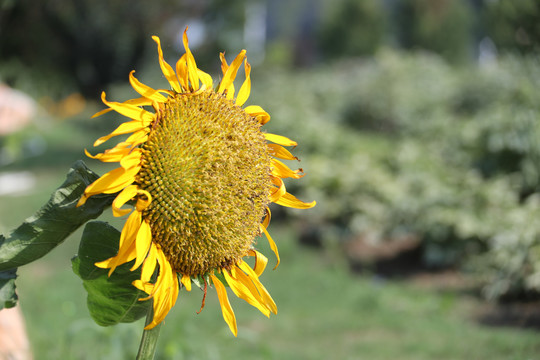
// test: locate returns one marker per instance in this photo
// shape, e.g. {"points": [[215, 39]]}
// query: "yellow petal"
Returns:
{"points": [[130, 111], [111, 155], [127, 194], [226, 309], [145, 90], [165, 297], [191, 65], [280, 152], [243, 292], [273, 245], [243, 94], [260, 262], [111, 182], [289, 200], [277, 192], [132, 159], [258, 113], [138, 137], [281, 140], [186, 280], [182, 72], [265, 295], [124, 128], [149, 265], [230, 74], [166, 68], [224, 65], [281, 170], [141, 101], [206, 79], [267, 217], [142, 244]]}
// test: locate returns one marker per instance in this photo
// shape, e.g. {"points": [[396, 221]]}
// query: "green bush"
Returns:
{"points": [[352, 28], [441, 26], [406, 143]]}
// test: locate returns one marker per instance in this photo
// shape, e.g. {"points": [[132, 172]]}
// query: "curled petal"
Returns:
{"points": [[258, 113]]}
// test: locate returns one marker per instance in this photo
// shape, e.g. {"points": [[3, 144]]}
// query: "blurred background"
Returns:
{"points": [[418, 123]]}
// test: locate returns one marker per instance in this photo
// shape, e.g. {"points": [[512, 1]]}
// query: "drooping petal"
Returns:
{"points": [[111, 155], [166, 69], [111, 182], [132, 159], [126, 247], [281, 170], [145, 90], [265, 295], [186, 281], [291, 201], [141, 101], [243, 292], [130, 111], [149, 265], [226, 309], [280, 152], [124, 128], [142, 244], [273, 245], [165, 297], [125, 195]]}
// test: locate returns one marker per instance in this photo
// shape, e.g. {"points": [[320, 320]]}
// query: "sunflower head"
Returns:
{"points": [[207, 168], [201, 175]]}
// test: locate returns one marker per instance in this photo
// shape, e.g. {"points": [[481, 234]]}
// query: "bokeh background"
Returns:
{"points": [[418, 124]]}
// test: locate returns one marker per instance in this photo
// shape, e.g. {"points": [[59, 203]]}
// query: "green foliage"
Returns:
{"points": [[54, 222], [47, 228], [111, 299], [513, 25], [8, 297], [408, 144], [441, 26], [353, 28]]}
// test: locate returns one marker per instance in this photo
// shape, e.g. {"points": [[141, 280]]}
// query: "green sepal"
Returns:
{"points": [[8, 297], [111, 300], [55, 221]]}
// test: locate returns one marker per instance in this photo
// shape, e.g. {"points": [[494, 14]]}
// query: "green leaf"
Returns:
{"points": [[111, 300], [8, 297], [55, 221]]}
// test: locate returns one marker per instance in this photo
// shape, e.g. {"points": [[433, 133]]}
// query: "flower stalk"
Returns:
{"points": [[149, 339]]}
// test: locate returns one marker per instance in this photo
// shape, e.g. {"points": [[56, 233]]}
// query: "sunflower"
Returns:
{"points": [[200, 174]]}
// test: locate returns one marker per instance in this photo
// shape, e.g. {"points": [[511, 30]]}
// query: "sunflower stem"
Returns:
{"points": [[149, 339]]}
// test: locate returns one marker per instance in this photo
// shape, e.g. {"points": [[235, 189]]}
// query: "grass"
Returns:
{"points": [[325, 312]]}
